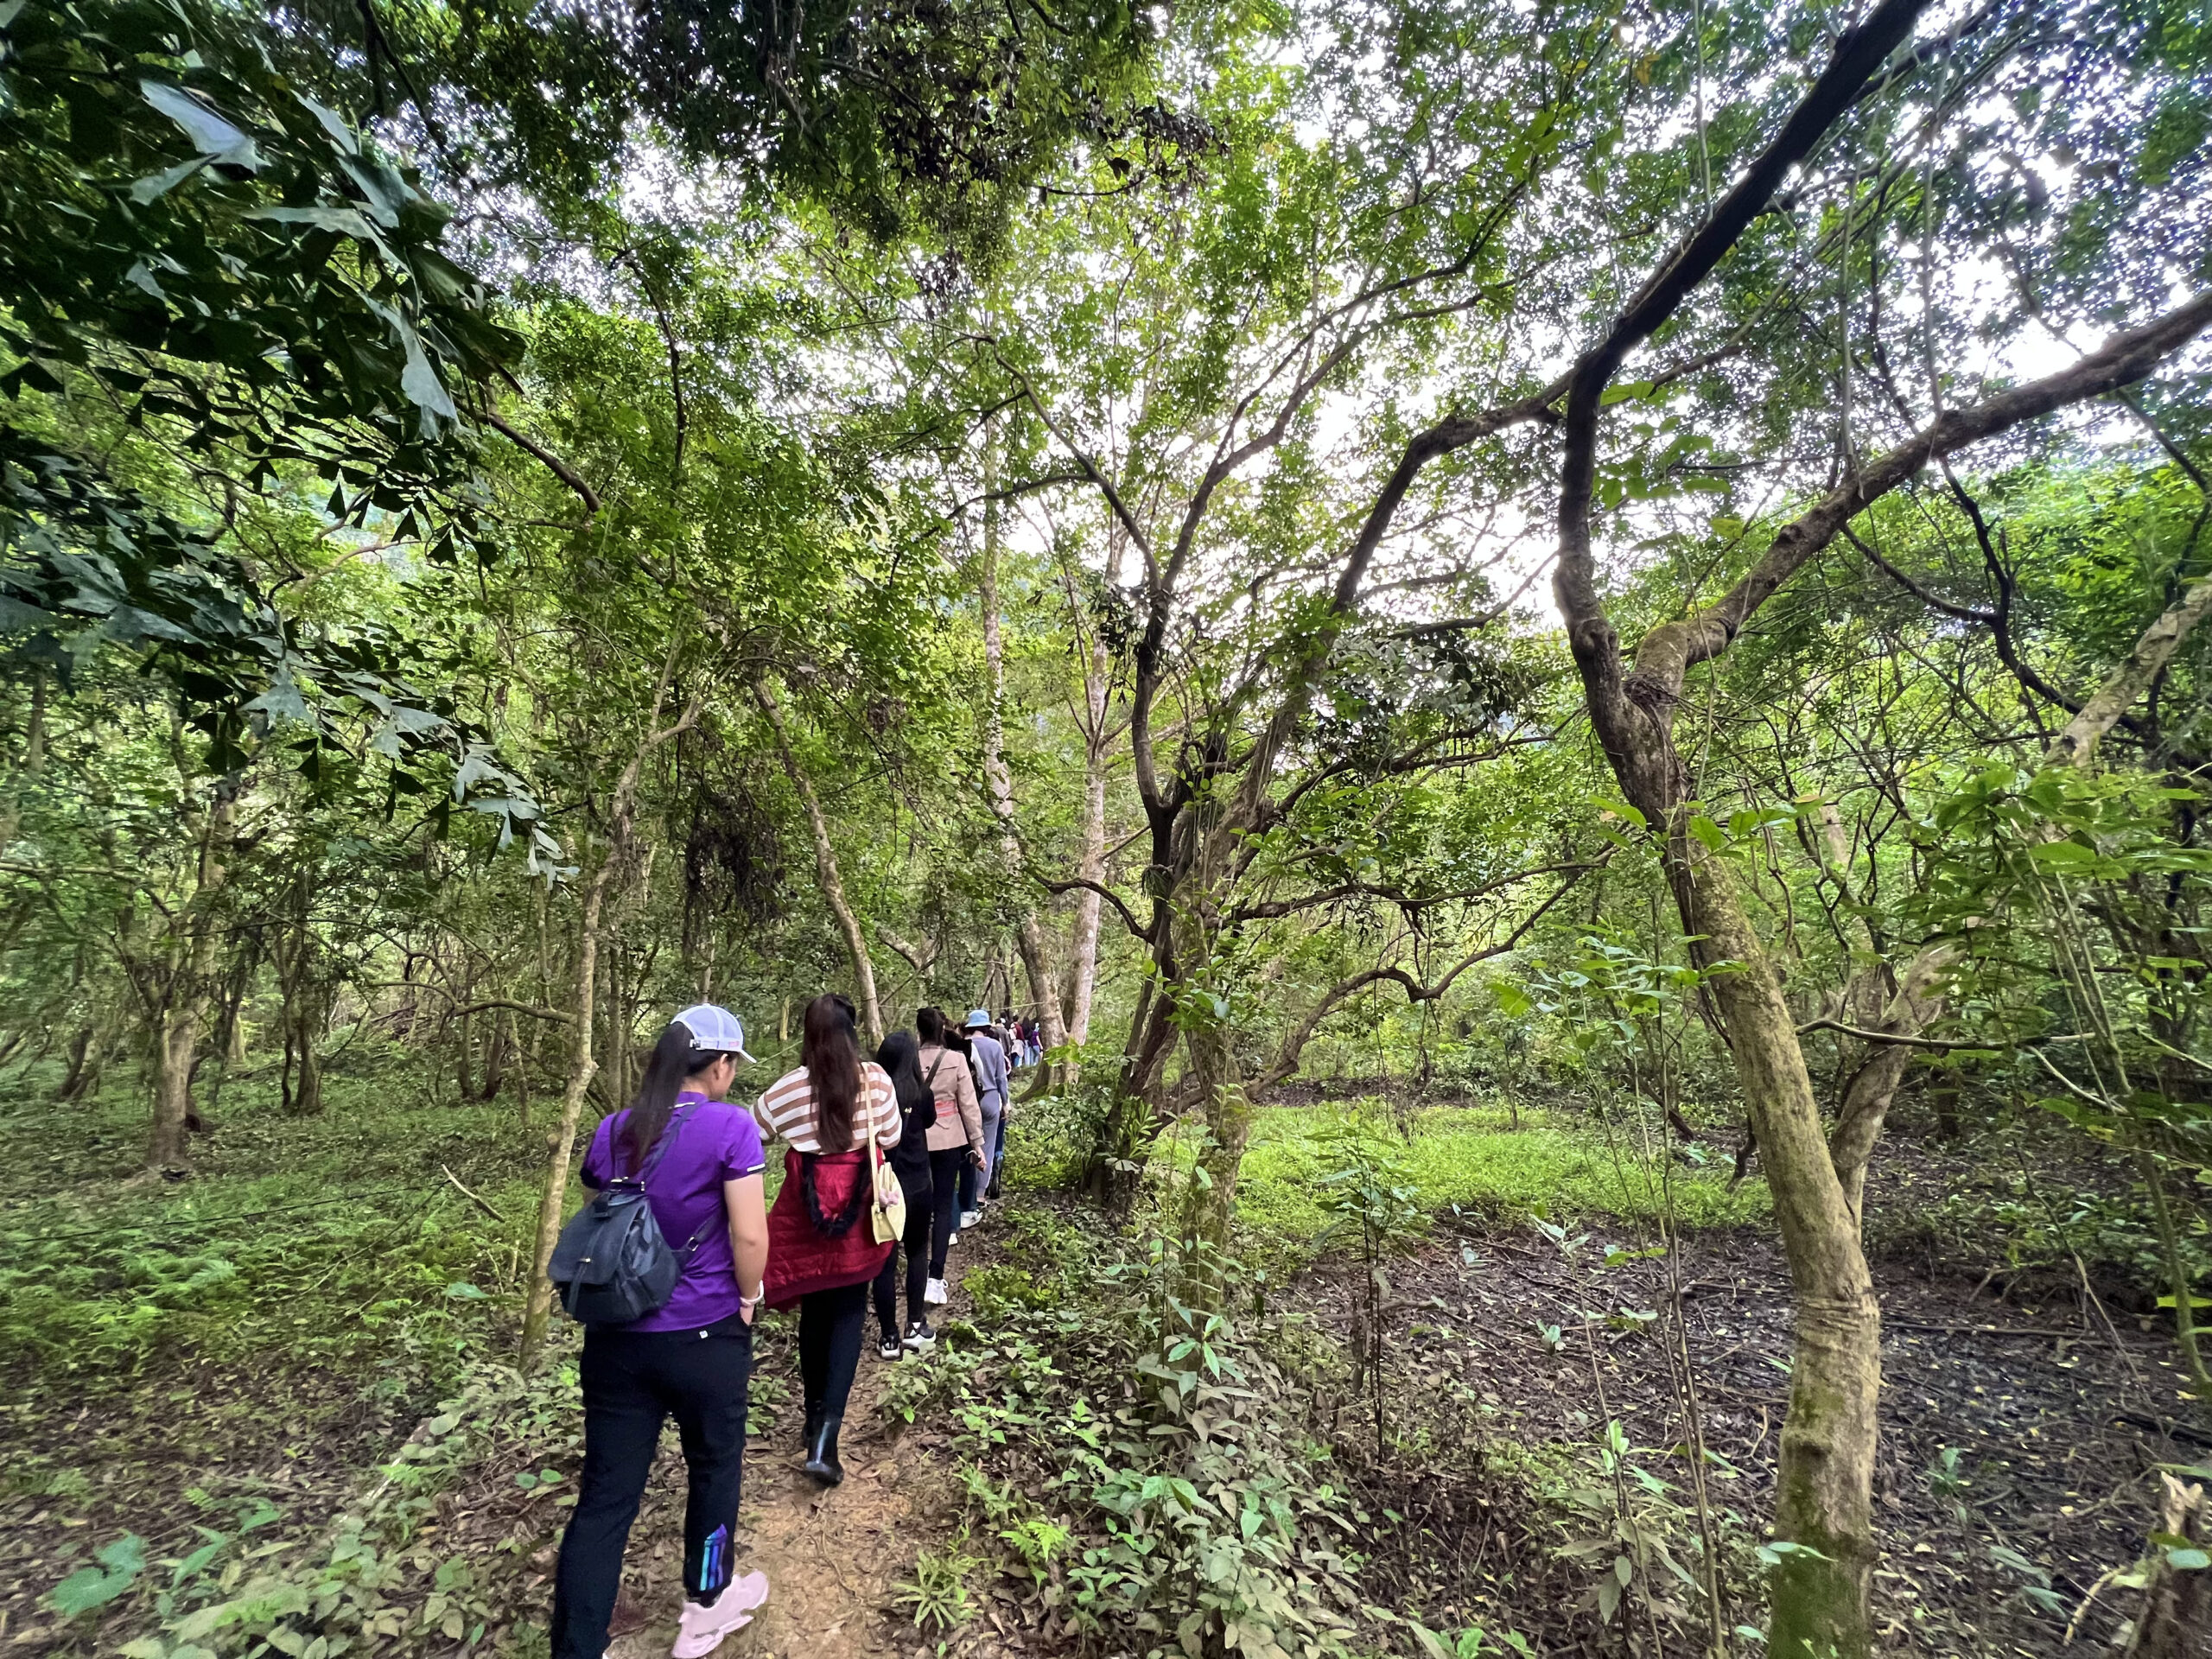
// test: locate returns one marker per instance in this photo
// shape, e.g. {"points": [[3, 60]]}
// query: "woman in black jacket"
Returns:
{"points": [[909, 1157]]}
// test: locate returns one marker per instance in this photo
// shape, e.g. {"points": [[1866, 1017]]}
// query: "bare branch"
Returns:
{"points": [[546, 458], [1081, 884], [1667, 651], [1894, 1039]]}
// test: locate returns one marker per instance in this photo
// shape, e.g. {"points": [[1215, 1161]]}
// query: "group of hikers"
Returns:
{"points": [[1022, 1037], [917, 1129]]}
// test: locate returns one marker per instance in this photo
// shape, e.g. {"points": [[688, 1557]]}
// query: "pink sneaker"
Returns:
{"points": [[704, 1627]]}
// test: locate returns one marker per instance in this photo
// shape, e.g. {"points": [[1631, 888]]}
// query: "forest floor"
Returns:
{"points": [[2022, 1438], [236, 1376], [306, 1344]]}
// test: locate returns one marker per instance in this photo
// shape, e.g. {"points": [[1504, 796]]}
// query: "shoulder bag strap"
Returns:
{"points": [[875, 1155], [668, 1139], [672, 1128]]}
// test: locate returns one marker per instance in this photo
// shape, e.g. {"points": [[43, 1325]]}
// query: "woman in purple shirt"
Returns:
{"points": [[691, 1359]]}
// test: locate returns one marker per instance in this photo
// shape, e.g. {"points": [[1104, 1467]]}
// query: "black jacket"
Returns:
{"points": [[900, 1056]]}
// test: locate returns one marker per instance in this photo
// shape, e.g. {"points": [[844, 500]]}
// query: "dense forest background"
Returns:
{"points": [[1556, 644]]}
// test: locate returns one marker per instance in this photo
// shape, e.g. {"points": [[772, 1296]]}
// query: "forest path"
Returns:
{"points": [[834, 1557]]}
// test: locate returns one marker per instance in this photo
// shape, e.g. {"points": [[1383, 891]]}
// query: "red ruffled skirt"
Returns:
{"points": [[800, 1260]]}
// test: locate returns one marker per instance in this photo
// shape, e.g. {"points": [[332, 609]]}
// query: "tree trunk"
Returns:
{"points": [[1036, 949], [553, 1197], [2176, 1605], [1116, 1168], [190, 989], [307, 1096], [495, 1053], [1824, 1467], [825, 865], [176, 1042], [1083, 949], [86, 1051], [1211, 1207], [1865, 1106], [305, 1007], [463, 1070], [583, 1065], [32, 762]]}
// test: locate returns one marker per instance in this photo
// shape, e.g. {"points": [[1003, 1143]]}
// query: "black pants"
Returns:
{"points": [[829, 1327], [944, 1178], [921, 1223], [634, 1381]]}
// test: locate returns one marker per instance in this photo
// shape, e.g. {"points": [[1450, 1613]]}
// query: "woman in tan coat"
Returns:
{"points": [[955, 1137]]}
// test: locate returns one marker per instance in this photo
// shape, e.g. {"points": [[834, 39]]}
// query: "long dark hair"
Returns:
{"points": [[672, 1062], [830, 1051], [930, 1023], [901, 1056]]}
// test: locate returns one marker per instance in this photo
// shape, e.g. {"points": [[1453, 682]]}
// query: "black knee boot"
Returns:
{"points": [[822, 1451]]}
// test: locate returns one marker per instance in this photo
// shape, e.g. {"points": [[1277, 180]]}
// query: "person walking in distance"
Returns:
{"points": [[822, 1255], [987, 1061], [955, 1137], [699, 1162], [900, 1056]]}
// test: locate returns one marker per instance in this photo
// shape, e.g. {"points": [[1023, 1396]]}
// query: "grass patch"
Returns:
{"points": [[1473, 1157], [331, 1240]]}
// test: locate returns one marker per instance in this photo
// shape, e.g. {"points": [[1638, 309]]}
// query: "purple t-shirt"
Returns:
{"points": [[717, 1143]]}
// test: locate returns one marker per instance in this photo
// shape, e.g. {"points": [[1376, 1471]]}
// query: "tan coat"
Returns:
{"points": [[958, 1114]]}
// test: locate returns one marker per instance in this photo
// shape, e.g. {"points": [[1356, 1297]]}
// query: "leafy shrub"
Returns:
{"points": [[1049, 1140], [370, 1580], [937, 1594], [1139, 1467], [336, 1240], [999, 1291], [2016, 1224]]}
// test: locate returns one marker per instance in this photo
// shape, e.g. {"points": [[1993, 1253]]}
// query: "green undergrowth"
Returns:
{"points": [[1473, 1158], [391, 1571], [339, 1240], [211, 1383], [1135, 1472]]}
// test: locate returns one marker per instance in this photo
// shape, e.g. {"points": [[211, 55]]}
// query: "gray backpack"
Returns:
{"points": [[612, 1266]]}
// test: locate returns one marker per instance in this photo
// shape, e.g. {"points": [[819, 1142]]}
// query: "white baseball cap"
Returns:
{"points": [[715, 1030]]}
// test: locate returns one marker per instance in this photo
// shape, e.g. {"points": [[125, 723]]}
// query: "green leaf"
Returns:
{"points": [[2062, 854], [212, 134], [92, 1587]]}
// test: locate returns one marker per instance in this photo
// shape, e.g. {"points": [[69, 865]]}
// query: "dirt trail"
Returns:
{"points": [[833, 1557]]}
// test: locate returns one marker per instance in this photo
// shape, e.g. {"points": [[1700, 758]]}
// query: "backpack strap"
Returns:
{"points": [[662, 1148]]}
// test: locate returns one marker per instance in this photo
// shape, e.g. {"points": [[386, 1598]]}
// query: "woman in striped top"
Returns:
{"points": [[822, 1251]]}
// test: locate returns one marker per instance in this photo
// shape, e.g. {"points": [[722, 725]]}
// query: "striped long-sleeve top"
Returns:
{"points": [[787, 1111]]}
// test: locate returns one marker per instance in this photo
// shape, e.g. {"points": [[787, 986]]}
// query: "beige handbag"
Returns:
{"points": [[887, 1220]]}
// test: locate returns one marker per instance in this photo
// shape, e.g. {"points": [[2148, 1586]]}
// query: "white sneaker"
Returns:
{"points": [[933, 1292], [970, 1219], [704, 1627], [954, 1240]]}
